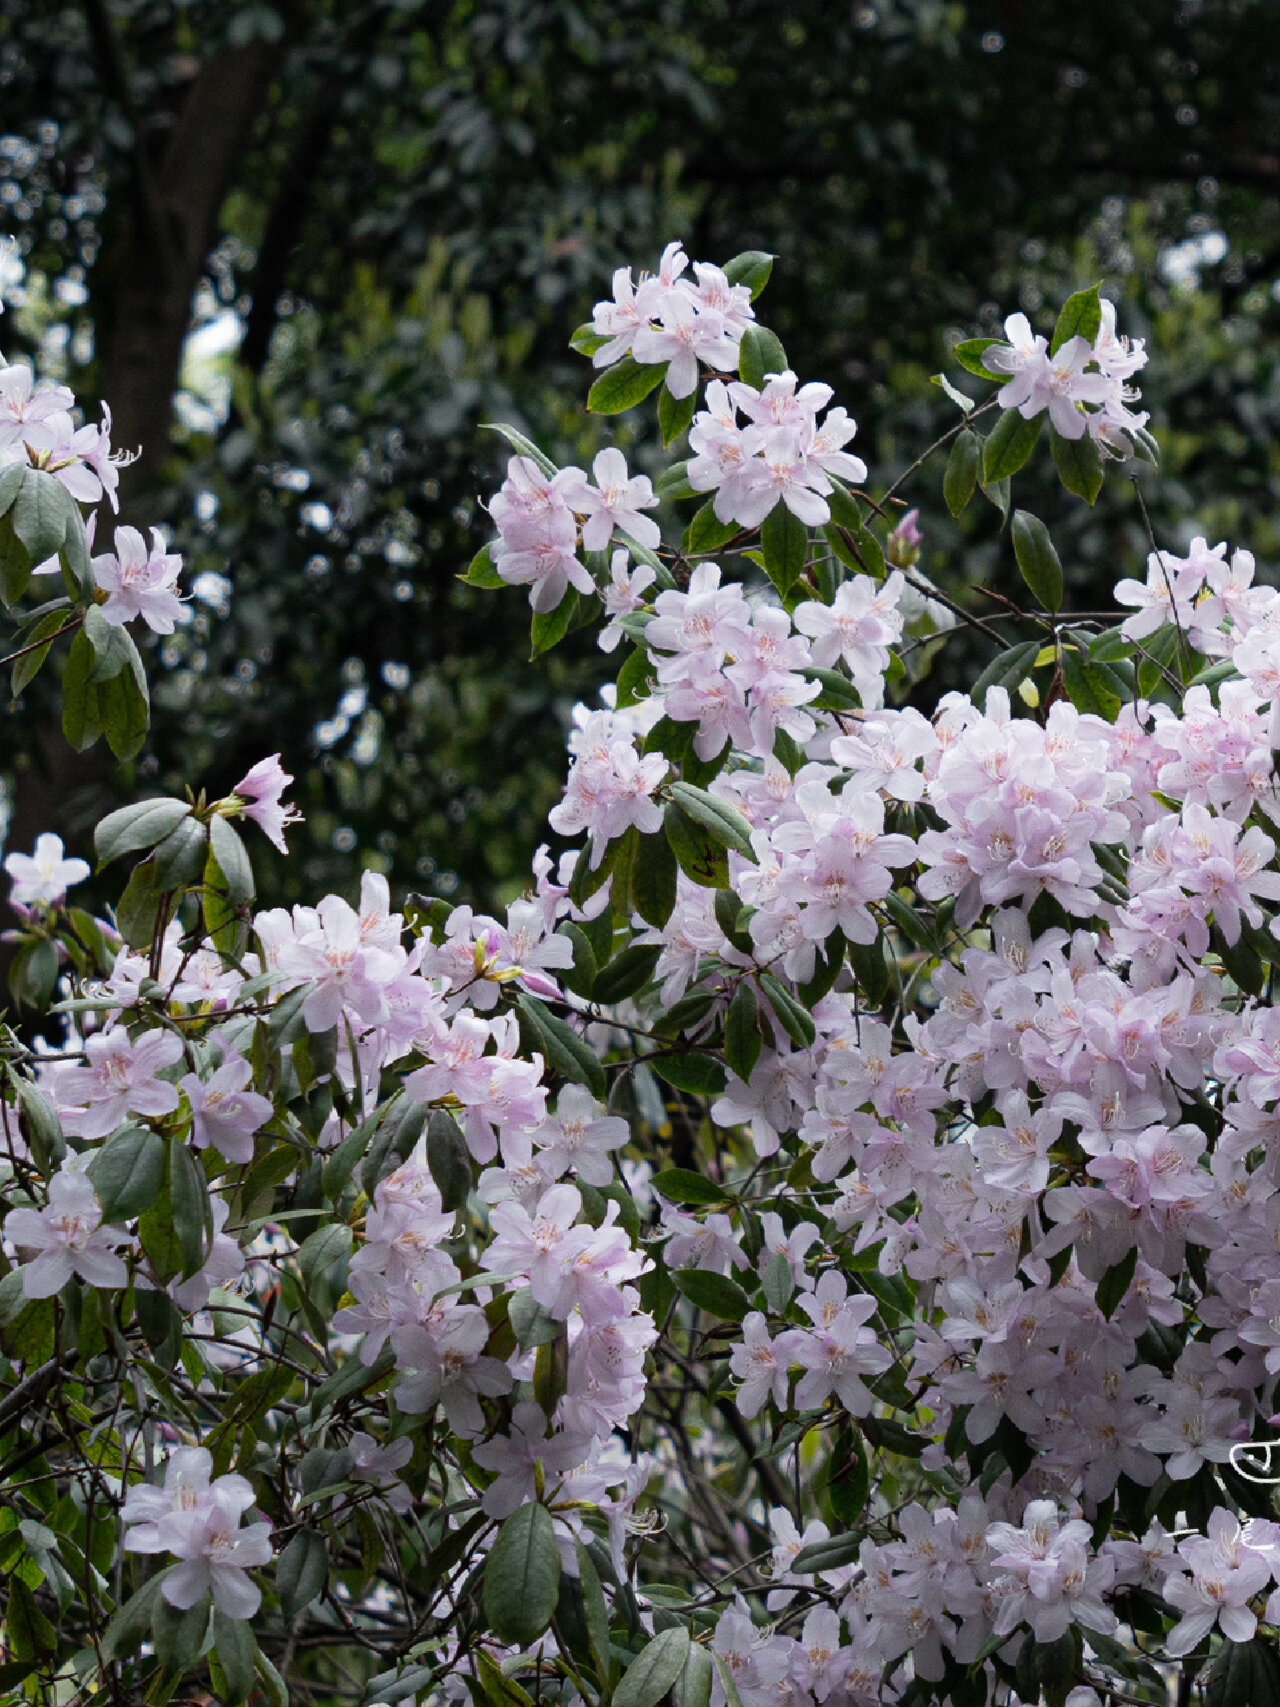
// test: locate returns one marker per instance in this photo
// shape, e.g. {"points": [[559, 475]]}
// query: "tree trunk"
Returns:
{"points": [[146, 291]]}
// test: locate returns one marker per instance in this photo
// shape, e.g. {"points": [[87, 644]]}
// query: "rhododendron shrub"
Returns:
{"points": [[823, 1244]]}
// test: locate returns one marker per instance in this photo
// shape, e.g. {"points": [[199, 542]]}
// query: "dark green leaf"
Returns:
{"points": [[564, 1051], [1115, 1283], [1090, 687], [751, 268], [625, 974], [236, 1648], [785, 541], [180, 857], [1080, 317], [233, 861], [724, 822], [742, 1039], [961, 477], [792, 1016], [27, 668], [969, 355], [653, 880], [700, 854], [760, 354], [1011, 442], [481, 572], [714, 1293], [1037, 559], [522, 1577], [192, 1212], [39, 514], [699, 1075], [705, 533], [675, 415], [654, 1669], [683, 1185], [179, 1636], [623, 385], [81, 720], [549, 628], [128, 1172], [448, 1159], [1005, 670], [138, 909], [1079, 464], [302, 1571]]}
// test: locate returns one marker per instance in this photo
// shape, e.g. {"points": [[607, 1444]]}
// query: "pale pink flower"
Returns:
{"points": [[69, 1239], [139, 582], [260, 790]]}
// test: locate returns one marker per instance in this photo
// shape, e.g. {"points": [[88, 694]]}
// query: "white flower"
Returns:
{"points": [[43, 878]]}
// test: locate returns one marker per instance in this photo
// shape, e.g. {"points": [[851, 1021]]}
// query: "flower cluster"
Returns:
{"points": [[672, 318], [1081, 384]]}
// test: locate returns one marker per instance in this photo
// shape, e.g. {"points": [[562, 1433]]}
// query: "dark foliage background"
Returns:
{"points": [[398, 211]]}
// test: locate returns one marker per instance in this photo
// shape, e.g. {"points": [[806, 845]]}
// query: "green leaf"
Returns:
{"points": [[180, 857], [635, 678], [124, 705], [742, 1039], [481, 572], [586, 340], [654, 1669], [1090, 687], [233, 861], [778, 1283], [1037, 559], [549, 628], [699, 1075], [961, 477], [838, 692], [751, 268], [128, 1173], [42, 1126], [138, 909], [302, 1570], [848, 1479], [759, 354], [192, 1212], [39, 513], [693, 1687], [448, 1159], [31, 1635], [1115, 1283], [653, 879], [564, 1051], [596, 1613], [625, 384], [675, 415], [522, 1577], [110, 644], [522, 446], [1005, 670], [81, 720], [625, 974], [320, 1250], [1011, 442], [725, 823], [531, 1323], [827, 1555], [706, 533], [237, 1651], [137, 827], [714, 1293], [27, 668], [178, 1635], [132, 1623], [10, 482], [1079, 464], [701, 856], [785, 540], [683, 1185], [792, 1016], [1080, 317], [969, 355]]}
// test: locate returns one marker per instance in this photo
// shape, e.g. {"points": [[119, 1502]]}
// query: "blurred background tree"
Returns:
{"points": [[304, 249]]}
